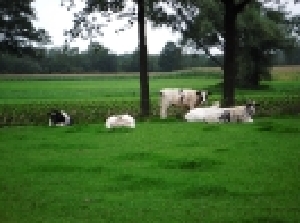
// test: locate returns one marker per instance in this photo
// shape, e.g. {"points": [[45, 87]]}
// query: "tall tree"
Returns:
{"points": [[262, 32], [182, 18], [18, 36], [100, 59], [232, 10], [144, 78], [211, 23], [88, 28]]}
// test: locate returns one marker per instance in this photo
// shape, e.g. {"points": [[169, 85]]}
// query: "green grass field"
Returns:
{"points": [[24, 89], [161, 171], [157, 172], [28, 91], [35, 91]]}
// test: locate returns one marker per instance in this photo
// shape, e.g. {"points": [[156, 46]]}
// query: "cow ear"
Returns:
{"points": [[249, 103], [198, 92], [255, 104]]}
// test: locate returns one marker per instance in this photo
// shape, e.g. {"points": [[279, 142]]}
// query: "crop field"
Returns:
{"points": [[168, 171], [161, 171]]}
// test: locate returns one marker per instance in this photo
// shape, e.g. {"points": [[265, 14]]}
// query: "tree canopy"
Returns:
{"points": [[170, 57], [18, 36]]}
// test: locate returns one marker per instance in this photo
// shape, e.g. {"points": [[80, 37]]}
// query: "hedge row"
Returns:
{"points": [[97, 111]]}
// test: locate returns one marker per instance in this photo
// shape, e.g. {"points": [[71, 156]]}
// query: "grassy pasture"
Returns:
{"points": [[28, 91], [162, 171], [24, 89], [26, 99], [159, 172], [36, 91]]}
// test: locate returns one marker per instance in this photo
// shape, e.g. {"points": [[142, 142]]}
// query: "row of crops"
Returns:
{"points": [[84, 112]]}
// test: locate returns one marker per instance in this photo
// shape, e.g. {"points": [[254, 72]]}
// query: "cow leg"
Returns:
{"points": [[163, 110]]}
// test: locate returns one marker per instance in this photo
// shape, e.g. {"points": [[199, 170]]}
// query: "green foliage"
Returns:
{"points": [[158, 172], [269, 31], [10, 64], [261, 31], [18, 36], [293, 56], [97, 58], [170, 57]]}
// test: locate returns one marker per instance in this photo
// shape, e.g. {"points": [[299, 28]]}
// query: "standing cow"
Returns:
{"points": [[181, 97]]}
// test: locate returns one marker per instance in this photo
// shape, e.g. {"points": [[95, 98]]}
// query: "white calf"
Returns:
{"points": [[180, 97], [120, 121]]}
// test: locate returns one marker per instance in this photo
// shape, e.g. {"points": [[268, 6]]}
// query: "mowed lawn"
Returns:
{"points": [[161, 171]]}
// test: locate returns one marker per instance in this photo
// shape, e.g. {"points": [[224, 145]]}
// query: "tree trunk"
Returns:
{"points": [[255, 78], [144, 79], [230, 65]]}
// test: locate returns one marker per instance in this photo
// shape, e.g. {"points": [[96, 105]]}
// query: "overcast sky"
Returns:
{"points": [[55, 19]]}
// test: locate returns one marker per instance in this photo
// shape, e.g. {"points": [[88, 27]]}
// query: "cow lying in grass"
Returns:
{"points": [[181, 97], [215, 114], [59, 118], [120, 121]]}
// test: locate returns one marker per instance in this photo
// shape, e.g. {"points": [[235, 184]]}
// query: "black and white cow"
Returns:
{"points": [[59, 118], [181, 97]]}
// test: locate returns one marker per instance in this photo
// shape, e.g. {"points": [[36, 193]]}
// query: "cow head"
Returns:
{"points": [[250, 107], [202, 96]]}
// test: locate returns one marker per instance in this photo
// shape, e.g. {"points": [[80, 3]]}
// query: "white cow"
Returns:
{"points": [[206, 114], [120, 121], [181, 97], [212, 114], [243, 113]]}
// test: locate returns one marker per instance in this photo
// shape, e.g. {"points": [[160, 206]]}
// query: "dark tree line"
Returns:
{"points": [[98, 59]]}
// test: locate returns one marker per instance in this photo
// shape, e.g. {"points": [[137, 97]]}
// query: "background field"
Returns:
{"points": [[125, 86]]}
